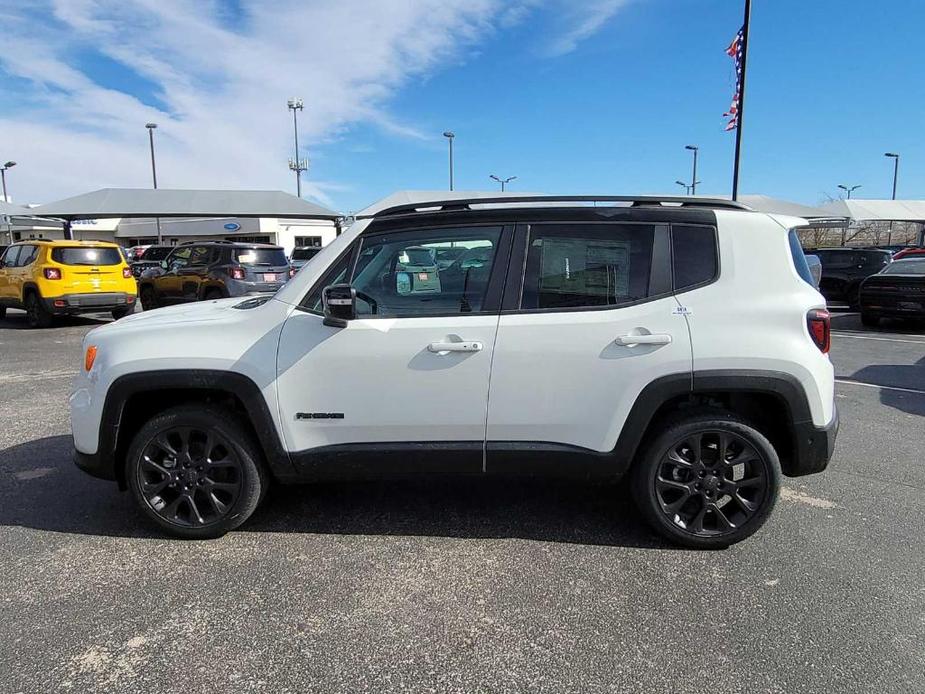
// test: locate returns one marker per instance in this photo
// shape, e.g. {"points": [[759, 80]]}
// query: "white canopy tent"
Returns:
{"points": [[878, 210]]}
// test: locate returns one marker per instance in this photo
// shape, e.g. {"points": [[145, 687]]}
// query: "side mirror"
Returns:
{"points": [[340, 305], [163, 265]]}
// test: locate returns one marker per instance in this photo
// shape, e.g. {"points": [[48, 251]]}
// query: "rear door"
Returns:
{"points": [[192, 276], [89, 269], [588, 321]]}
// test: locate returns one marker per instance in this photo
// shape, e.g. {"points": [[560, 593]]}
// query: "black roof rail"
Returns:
{"points": [[634, 200]]}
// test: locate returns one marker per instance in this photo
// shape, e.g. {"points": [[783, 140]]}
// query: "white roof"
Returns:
{"points": [[764, 203], [882, 210], [406, 197]]}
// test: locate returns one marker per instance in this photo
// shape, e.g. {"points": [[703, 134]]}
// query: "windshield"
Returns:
{"points": [[260, 256], [905, 267], [82, 255], [304, 253]]}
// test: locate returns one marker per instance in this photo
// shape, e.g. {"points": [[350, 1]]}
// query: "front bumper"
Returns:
{"points": [[93, 464], [97, 302], [814, 447]]}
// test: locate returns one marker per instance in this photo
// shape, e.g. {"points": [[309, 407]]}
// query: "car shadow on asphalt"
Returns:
{"points": [[899, 376], [40, 488], [16, 320]]}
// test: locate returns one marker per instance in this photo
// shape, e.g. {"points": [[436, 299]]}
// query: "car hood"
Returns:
{"points": [[194, 312]]}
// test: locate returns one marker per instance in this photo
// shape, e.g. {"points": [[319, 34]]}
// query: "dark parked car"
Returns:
{"points": [[301, 255], [843, 269], [213, 270], [896, 292], [910, 252], [151, 257]]}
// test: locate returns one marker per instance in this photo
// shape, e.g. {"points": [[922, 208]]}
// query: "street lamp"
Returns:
{"points": [[694, 181], [687, 188], [449, 135], [895, 158], [502, 181], [848, 189], [151, 128], [9, 221], [297, 165]]}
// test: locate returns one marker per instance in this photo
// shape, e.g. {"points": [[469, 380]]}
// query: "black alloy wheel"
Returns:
{"points": [[194, 471], [709, 482], [36, 314]]}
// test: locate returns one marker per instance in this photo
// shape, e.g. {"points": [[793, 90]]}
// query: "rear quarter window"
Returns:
{"points": [[80, 255], [693, 255], [799, 259]]}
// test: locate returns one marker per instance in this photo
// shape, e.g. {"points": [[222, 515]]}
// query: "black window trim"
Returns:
{"points": [[496, 280], [660, 253], [719, 269]]}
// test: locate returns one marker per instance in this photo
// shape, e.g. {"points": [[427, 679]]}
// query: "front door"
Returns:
{"points": [[407, 381], [592, 324], [7, 270], [169, 284]]}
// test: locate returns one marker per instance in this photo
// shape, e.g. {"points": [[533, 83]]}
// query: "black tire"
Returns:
{"points": [[853, 297], [212, 293], [204, 487], [36, 313], [871, 320], [122, 312], [699, 484], [148, 298], [2, 312]]}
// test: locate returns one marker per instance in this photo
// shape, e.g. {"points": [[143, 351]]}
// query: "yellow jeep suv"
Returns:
{"points": [[50, 278]]}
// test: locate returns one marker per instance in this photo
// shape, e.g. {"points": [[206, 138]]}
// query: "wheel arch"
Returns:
{"points": [[134, 398]]}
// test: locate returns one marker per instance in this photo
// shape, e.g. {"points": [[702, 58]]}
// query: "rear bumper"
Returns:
{"points": [[814, 447], [88, 303]]}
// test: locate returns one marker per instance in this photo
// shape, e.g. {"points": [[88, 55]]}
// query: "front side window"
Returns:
{"points": [[200, 255], [11, 256], [27, 255], [179, 258], [400, 274], [587, 265]]}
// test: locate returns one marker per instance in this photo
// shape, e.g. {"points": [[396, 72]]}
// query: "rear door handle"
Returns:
{"points": [[455, 347], [630, 340]]}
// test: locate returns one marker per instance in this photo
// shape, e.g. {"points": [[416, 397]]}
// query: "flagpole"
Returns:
{"points": [[740, 112]]}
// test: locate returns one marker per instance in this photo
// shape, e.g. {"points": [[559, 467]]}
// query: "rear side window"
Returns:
{"points": [[693, 255], [156, 253], [304, 253], [799, 259], [587, 265], [79, 255], [260, 256]]}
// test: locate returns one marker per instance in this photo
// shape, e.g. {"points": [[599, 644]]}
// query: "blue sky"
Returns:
{"points": [[575, 97]]}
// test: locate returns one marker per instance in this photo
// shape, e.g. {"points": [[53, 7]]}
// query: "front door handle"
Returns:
{"points": [[630, 340], [455, 347]]}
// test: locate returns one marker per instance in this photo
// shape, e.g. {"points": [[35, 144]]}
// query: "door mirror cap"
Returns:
{"points": [[163, 265], [340, 305]]}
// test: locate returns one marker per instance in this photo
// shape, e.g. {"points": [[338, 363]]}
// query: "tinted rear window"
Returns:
{"points": [[906, 267], [86, 256], [260, 256], [799, 259], [304, 253], [693, 255]]}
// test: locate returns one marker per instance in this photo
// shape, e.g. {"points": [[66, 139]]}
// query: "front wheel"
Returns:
{"points": [[122, 311], [195, 472], [707, 481]]}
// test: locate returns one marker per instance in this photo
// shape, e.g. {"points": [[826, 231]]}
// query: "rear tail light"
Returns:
{"points": [[237, 273], [819, 323], [52, 273], [127, 272]]}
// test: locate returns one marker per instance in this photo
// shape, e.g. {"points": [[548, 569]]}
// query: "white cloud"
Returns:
{"points": [[221, 83], [585, 19]]}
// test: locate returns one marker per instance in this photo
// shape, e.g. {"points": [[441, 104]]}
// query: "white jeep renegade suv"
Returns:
{"points": [[677, 340]]}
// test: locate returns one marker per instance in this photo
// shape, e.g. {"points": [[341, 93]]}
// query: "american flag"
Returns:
{"points": [[735, 52]]}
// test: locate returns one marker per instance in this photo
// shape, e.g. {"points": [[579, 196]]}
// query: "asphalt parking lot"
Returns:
{"points": [[465, 586]]}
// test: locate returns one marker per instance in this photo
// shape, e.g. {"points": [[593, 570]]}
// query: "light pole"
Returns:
{"points": [[848, 189], [450, 135], [694, 181], [9, 220], [502, 181], [687, 188], [157, 220], [895, 158], [297, 165]]}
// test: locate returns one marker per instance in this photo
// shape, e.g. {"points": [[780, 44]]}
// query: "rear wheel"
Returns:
{"points": [[195, 472], [2, 312], [871, 320], [148, 299], [122, 312], [707, 481], [211, 294], [36, 313]]}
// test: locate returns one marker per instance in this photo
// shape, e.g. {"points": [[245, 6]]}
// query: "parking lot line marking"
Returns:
{"points": [[882, 339], [874, 385]]}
